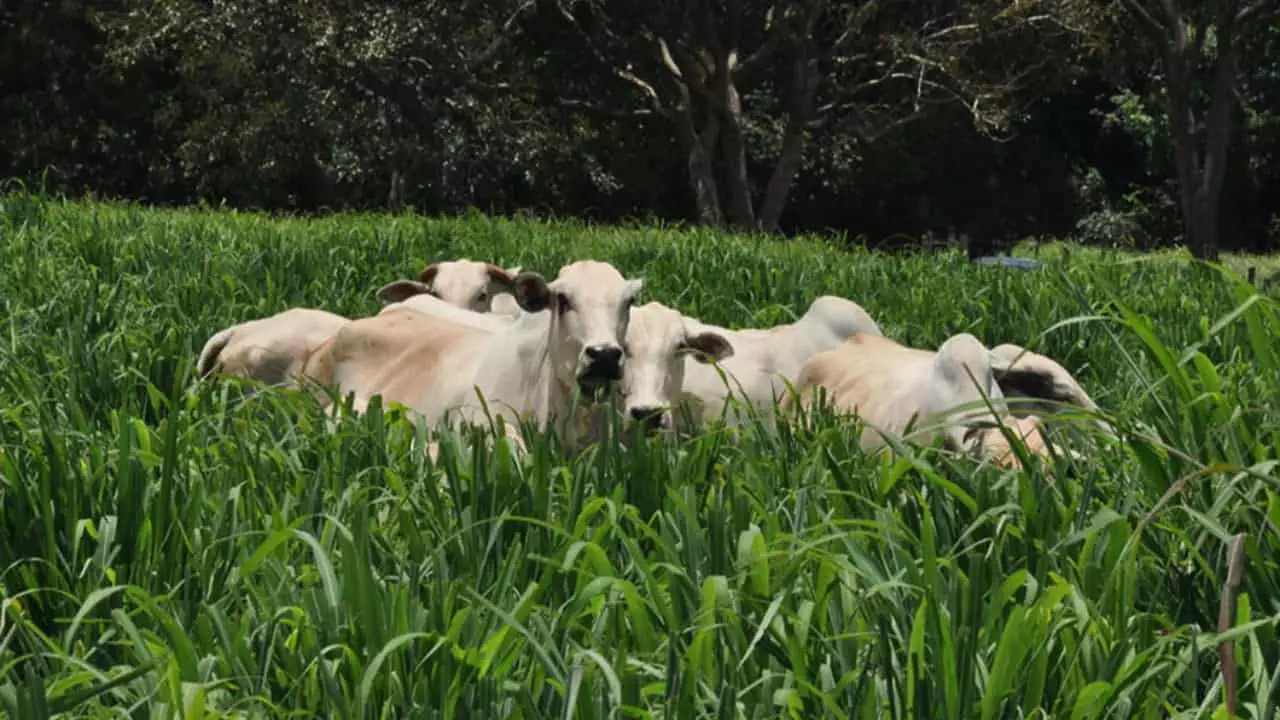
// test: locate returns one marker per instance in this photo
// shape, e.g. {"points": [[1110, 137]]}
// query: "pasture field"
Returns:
{"points": [[170, 548]]}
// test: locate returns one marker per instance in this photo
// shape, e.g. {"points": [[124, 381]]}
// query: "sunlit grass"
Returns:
{"points": [[171, 548]]}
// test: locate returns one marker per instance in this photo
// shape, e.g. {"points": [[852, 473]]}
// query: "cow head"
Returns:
{"points": [[1026, 375], [969, 374], [990, 441], [590, 306], [466, 284], [658, 341]]}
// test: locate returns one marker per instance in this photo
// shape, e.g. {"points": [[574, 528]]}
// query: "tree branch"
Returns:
{"points": [[669, 62], [683, 68], [1146, 19], [647, 89], [605, 112], [1250, 11], [1171, 13], [500, 38], [751, 65]]}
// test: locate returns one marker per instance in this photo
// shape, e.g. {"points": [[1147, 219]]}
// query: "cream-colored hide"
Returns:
{"points": [[467, 284], [567, 337], [658, 343], [271, 350], [765, 360], [890, 386]]}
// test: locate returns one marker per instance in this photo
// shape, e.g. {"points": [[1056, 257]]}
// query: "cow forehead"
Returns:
{"points": [[461, 274], [592, 280], [654, 327]]}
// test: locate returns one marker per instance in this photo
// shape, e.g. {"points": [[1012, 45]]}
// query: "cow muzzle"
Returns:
{"points": [[651, 419], [602, 365]]}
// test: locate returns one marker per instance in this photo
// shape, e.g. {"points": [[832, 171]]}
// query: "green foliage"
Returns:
{"points": [[175, 548], [440, 107]]}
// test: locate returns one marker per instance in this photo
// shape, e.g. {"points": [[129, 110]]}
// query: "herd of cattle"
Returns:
{"points": [[469, 338]]}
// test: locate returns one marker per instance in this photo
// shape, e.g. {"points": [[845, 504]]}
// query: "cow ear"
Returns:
{"points": [[401, 290], [708, 346], [429, 273], [634, 286], [498, 276], [531, 291]]}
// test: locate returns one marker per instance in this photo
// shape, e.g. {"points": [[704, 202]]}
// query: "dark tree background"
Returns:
{"points": [[1137, 122]]}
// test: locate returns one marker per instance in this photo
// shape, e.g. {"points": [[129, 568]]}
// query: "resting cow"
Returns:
{"points": [[412, 296], [756, 364], [468, 284], [659, 342], [273, 349], [568, 336], [891, 386]]}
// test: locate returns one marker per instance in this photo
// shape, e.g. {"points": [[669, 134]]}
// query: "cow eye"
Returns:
{"points": [[563, 304], [482, 297]]}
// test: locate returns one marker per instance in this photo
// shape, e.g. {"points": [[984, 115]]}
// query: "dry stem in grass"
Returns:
{"points": [[1226, 618]]}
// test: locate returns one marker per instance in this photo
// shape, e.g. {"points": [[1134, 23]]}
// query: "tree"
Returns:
{"points": [[1201, 135], [416, 66], [869, 67], [333, 87]]}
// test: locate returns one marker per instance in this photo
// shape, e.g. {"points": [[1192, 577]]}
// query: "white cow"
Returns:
{"points": [[659, 343], [938, 393], [404, 295], [271, 350], [568, 336], [274, 349], [469, 284], [757, 366]]}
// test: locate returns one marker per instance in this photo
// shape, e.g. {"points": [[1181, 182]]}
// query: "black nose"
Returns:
{"points": [[650, 416], [604, 358]]}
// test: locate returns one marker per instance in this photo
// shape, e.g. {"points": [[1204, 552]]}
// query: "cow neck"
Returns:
{"points": [[545, 394], [560, 392], [557, 390], [529, 345], [803, 339]]}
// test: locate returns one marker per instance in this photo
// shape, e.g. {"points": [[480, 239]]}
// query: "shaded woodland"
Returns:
{"points": [[1131, 122]]}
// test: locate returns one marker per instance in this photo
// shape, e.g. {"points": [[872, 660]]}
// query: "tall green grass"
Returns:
{"points": [[170, 548]]}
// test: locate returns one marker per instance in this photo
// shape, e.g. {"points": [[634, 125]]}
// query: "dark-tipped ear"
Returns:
{"points": [[498, 276], [401, 290], [429, 273], [708, 346], [1019, 371], [531, 291], [1029, 382]]}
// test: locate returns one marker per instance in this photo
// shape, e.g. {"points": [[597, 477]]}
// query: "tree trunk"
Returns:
{"points": [[697, 148], [1204, 224], [1201, 172], [439, 166], [804, 87], [1182, 124], [395, 193], [784, 173], [1217, 139], [737, 180]]}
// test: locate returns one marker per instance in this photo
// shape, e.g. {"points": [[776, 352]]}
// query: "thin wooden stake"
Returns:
{"points": [[1227, 618]]}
